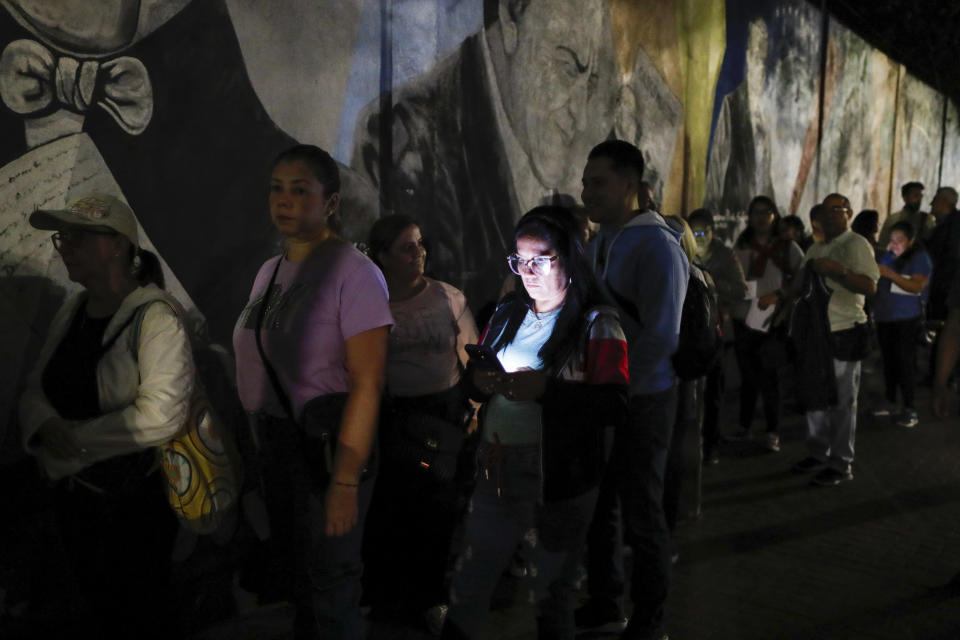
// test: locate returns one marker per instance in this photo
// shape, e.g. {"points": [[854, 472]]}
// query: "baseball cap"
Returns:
{"points": [[94, 210]]}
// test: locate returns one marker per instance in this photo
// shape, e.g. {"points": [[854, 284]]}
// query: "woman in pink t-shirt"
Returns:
{"points": [[422, 492], [314, 334]]}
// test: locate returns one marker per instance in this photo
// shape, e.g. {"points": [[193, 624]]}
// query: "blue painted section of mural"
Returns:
{"points": [[423, 32], [733, 70]]}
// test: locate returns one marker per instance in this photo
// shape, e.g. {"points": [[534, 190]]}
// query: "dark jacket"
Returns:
{"points": [[810, 331], [588, 394], [943, 245]]}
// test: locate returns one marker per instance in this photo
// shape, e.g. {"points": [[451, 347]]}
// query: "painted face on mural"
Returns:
{"points": [[406, 257], [552, 75], [547, 290], [298, 207], [93, 26], [608, 195]]}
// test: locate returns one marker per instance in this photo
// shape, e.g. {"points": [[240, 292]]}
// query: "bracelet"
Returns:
{"points": [[346, 484]]}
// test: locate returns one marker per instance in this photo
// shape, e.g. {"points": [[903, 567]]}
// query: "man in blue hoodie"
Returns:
{"points": [[641, 266]]}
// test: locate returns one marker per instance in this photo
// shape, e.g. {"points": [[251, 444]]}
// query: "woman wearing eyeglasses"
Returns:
{"points": [[110, 383], [564, 380]]}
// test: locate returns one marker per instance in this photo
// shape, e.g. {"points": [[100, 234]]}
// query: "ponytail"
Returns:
{"points": [[146, 268]]}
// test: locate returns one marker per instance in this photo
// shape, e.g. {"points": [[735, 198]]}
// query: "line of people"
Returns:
{"points": [[401, 467]]}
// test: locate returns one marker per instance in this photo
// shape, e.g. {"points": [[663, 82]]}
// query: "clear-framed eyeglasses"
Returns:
{"points": [[537, 265]]}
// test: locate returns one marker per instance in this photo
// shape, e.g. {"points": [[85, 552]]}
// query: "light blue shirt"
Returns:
{"points": [[516, 422]]}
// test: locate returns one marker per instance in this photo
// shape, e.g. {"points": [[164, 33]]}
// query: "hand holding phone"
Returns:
{"points": [[484, 357]]}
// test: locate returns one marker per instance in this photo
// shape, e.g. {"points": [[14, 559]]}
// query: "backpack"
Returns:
{"points": [[701, 340], [201, 465]]}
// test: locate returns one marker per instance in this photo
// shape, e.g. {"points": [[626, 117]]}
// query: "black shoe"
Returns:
{"points": [[831, 477], [808, 464], [592, 617]]}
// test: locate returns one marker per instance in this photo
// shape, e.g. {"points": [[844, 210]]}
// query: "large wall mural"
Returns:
{"points": [[178, 106], [860, 88], [919, 131], [765, 137]]}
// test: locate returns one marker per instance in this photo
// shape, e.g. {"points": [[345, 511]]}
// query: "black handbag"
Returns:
{"points": [[427, 432], [320, 419]]}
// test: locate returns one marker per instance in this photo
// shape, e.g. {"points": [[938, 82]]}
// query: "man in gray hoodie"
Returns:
{"points": [[641, 266]]}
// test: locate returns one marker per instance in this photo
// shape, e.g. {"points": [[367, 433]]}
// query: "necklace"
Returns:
{"points": [[538, 323]]}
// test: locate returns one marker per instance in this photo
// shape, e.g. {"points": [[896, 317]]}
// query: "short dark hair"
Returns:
{"points": [[905, 228], [910, 186], [845, 199], [323, 166], [866, 223], [384, 233], [626, 158], [816, 211], [701, 216], [794, 222]]}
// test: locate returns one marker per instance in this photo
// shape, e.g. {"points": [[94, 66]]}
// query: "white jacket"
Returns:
{"points": [[144, 400]]}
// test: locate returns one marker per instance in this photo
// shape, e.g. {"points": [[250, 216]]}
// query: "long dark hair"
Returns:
{"points": [[558, 227], [906, 229], [746, 237]]}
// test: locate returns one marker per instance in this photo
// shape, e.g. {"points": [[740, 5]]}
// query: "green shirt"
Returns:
{"points": [[855, 253]]}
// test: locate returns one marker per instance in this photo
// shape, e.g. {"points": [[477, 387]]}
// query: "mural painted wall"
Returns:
{"points": [[464, 113], [765, 129], [860, 89]]}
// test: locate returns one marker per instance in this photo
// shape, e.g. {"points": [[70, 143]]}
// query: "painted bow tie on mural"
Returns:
{"points": [[32, 78]]}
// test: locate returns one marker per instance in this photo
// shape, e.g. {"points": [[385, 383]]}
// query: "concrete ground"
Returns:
{"points": [[770, 557]]}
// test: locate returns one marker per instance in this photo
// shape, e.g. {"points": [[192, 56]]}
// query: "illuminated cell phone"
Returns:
{"points": [[484, 357]]}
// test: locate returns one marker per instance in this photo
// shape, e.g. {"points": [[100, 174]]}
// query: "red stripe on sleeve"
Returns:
{"points": [[607, 362]]}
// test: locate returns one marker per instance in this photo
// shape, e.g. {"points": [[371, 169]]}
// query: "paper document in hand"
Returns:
{"points": [[757, 318]]}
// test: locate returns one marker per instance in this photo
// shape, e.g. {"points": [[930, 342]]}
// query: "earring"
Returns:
{"points": [[135, 264]]}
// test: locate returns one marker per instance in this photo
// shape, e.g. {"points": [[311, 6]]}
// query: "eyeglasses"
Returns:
{"points": [[75, 236], [700, 234], [537, 265]]}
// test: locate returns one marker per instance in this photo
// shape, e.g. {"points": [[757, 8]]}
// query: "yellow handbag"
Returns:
{"points": [[201, 465]]}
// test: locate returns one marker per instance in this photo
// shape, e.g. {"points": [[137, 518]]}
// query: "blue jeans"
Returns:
{"points": [[506, 510], [320, 573], [635, 480]]}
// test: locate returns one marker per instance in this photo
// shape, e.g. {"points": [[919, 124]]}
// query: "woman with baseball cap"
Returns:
{"points": [[113, 380]]}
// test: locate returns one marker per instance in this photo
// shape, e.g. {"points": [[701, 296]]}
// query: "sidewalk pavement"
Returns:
{"points": [[772, 557]]}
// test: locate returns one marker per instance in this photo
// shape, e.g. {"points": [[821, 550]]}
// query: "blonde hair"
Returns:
{"points": [[687, 241]]}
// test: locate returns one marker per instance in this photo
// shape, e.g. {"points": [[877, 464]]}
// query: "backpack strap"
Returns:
{"points": [[136, 323]]}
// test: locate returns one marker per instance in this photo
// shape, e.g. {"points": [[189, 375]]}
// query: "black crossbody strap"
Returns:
{"points": [[271, 372]]}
